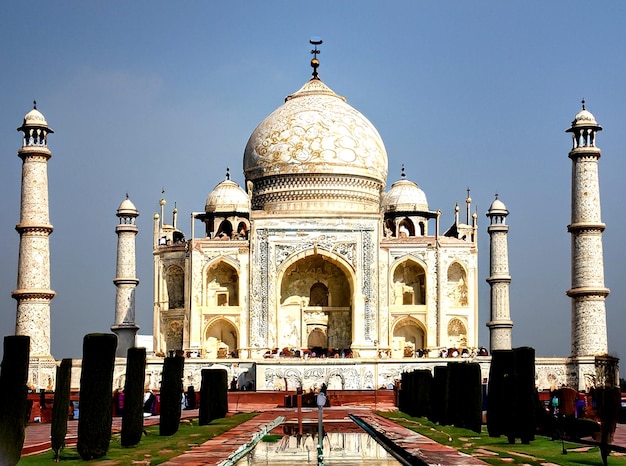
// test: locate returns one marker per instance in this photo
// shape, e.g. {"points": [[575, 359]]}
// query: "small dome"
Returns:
{"points": [[497, 207], [584, 118], [35, 118], [405, 196], [227, 196], [127, 209]]}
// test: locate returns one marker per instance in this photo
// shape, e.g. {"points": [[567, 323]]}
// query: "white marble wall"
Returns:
{"points": [[588, 333]]}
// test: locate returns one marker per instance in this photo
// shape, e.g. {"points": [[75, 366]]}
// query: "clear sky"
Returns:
{"points": [[146, 95]]}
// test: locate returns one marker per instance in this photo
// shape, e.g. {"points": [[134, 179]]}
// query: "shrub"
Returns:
{"points": [[60, 408], [501, 389], [13, 398], [213, 395], [171, 394], [132, 417], [438, 394], [96, 392], [511, 403], [423, 387], [471, 407]]}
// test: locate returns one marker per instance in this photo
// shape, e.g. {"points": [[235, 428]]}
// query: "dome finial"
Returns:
{"points": [[35, 104], [583, 102], [315, 63], [403, 174], [228, 173]]}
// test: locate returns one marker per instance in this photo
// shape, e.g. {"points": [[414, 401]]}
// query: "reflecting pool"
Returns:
{"points": [[344, 444]]}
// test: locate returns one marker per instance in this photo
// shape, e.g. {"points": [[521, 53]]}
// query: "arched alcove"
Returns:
{"points": [[315, 296], [408, 284], [457, 285], [406, 228], [242, 230], [457, 333], [175, 281], [221, 285], [225, 230], [318, 295], [410, 335], [220, 338]]}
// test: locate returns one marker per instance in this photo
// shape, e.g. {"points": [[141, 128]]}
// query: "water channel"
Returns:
{"points": [[344, 443]]}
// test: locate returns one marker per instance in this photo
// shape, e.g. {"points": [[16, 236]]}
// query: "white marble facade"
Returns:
{"points": [[315, 257], [314, 270]]}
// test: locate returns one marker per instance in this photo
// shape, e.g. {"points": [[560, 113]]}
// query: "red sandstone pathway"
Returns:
{"points": [[221, 447]]}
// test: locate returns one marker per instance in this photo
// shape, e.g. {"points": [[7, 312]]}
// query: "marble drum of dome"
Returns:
{"points": [[316, 152]]}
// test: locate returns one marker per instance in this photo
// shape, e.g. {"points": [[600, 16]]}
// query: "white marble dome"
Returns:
{"points": [[584, 118], [35, 118], [227, 196], [313, 144], [405, 196], [497, 207], [127, 209]]}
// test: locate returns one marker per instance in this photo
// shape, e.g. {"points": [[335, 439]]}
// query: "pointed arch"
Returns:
{"points": [[406, 228], [316, 265], [225, 230], [457, 289], [242, 230], [409, 336], [221, 338], [175, 282], [221, 283], [318, 295], [457, 333], [408, 279], [315, 292]]}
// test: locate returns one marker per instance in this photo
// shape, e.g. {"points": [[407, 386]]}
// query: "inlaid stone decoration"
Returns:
{"points": [[318, 271], [125, 278], [33, 293], [315, 258], [588, 293]]}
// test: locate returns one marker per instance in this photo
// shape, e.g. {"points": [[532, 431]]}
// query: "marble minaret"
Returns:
{"points": [[499, 278], [125, 327], [588, 293], [33, 293]]}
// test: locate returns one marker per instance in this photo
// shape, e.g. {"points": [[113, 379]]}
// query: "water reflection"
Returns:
{"points": [[340, 448]]}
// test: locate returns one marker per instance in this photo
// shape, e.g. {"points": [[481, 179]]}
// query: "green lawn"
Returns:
{"points": [[153, 449], [498, 451]]}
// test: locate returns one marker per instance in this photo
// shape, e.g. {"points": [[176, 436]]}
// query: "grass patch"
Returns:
{"points": [[499, 451], [271, 438], [152, 449]]}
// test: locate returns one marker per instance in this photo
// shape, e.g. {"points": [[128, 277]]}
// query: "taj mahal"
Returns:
{"points": [[323, 266]]}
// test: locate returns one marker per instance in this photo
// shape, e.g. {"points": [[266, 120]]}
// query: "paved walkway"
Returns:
{"points": [[219, 448]]}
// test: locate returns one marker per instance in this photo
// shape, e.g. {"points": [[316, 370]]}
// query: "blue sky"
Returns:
{"points": [[146, 95]]}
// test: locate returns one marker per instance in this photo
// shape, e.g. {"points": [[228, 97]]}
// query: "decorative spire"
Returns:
{"points": [[228, 173], [35, 104], [468, 203], [583, 102], [315, 63], [403, 174]]}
